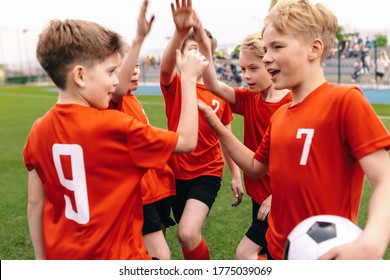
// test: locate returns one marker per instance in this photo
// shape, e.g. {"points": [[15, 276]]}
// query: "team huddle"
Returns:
{"points": [[103, 182]]}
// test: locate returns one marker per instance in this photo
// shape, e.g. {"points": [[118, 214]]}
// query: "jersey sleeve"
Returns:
{"points": [[262, 152], [242, 96], [150, 147], [169, 90], [363, 130], [227, 116], [27, 160]]}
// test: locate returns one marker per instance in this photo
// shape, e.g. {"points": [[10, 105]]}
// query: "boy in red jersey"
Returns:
{"points": [[256, 103], [158, 185], [198, 174], [318, 148], [85, 163]]}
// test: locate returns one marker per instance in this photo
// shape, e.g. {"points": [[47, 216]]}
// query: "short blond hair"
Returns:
{"points": [[64, 43], [253, 44], [303, 19]]}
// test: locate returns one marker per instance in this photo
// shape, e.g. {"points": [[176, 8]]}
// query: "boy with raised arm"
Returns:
{"points": [[198, 174], [325, 141], [85, 163]]}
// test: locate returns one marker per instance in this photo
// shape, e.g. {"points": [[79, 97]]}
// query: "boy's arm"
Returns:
{"points": [[130, 61], [236, 183], [36, 198], [210, 80], [183, 18], [373, 242], [191, 66], [241, 155]]}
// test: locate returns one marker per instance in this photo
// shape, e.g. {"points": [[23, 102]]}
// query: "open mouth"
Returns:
{"points": [[273, 72]]}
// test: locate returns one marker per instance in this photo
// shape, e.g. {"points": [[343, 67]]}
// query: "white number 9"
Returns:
{"points": [[78, 185]]}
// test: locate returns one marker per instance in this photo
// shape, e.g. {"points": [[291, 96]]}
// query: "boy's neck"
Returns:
{"points": [[300, 92], [272, 95], [67, 97]]}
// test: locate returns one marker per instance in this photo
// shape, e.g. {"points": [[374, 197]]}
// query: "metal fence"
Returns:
{"points": [[337, 68]]}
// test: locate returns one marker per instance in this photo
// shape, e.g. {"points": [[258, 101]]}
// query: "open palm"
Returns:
{"points": [[183, 15]]}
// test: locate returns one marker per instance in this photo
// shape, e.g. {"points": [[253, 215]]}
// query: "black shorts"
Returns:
{"points": [[203, 188], [157, 215], [257, 230], [380, 74]]}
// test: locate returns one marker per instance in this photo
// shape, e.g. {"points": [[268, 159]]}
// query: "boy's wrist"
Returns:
{"points": [[188, 78], [181, 33], [138, 39]]}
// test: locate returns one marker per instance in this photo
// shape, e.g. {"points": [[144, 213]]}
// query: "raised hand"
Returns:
{"points": [[143, 25], [183, 15], [191, 64]]}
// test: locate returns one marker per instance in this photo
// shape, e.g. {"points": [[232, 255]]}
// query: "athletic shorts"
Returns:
{"points": [[157, 215], [203, 188], [380, 74], [257, 230]]}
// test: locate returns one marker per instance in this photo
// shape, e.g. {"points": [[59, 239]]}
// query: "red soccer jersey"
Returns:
{"points": [[156, 183], [207, 157], [90, 163], [313, 150], [256, 113]]}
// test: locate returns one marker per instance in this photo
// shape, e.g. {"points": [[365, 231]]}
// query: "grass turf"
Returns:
{"points": [[20, 106]]}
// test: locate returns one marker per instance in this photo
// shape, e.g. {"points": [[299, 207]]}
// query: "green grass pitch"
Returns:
{"points": [[20, 106]]}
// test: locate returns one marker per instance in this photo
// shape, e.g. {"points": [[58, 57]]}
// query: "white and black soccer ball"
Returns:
{"points": [[316, 235]]}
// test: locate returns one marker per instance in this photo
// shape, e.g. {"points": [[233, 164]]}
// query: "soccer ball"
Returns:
{"points": [[316, 235]]}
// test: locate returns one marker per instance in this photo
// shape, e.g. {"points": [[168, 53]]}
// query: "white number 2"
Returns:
{"points": [[78, 183], [306, 147], [215, 103]]}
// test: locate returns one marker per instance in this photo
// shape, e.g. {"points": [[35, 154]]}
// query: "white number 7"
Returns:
{"points": [[78, 183], [306, 147]]}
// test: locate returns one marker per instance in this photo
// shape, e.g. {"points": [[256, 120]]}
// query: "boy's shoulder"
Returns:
{"points": [[344, 94], [336, 88]]}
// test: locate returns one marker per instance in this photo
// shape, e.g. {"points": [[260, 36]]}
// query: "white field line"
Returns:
{"points": [[24, 95], [27, 95], [143, 102], [152, 103]]}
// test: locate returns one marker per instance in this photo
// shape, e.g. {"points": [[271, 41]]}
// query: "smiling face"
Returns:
{"points": [[134, 78], [253, 72], [286, 58], [100, 81]]}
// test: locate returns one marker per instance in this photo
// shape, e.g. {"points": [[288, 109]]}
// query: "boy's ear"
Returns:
{"points": [[78, 75], [317, 49]]}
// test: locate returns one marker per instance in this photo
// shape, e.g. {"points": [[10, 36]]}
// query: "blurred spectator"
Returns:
{"points": [[358, 70], [382, 67], [334, 48], [220, 54], [344, 47], [236, 79], [368, 63], [354, 47], [368, 43], [147, 62]]}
